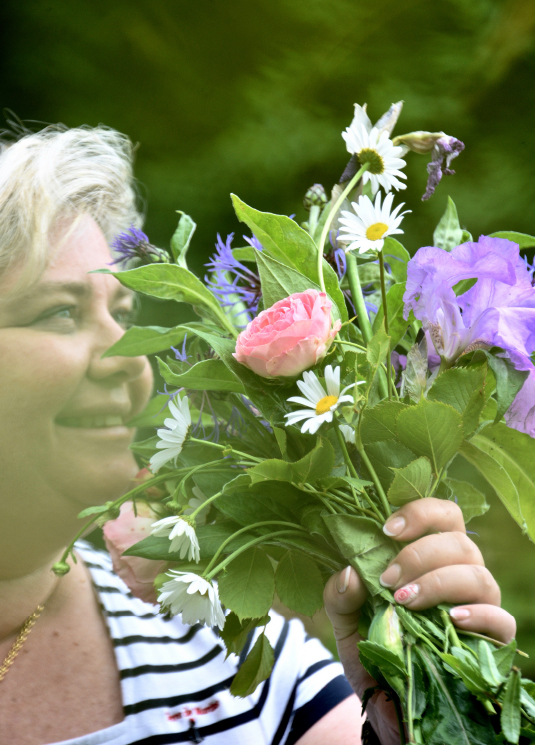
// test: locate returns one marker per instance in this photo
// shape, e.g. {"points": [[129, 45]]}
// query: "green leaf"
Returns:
{"points": [[514, 451], [504, 657], [235, 632], [397, 257], [411, 482], [487, 665], [285, 241], [182, 238], [432, 429], [509, 381], [379, 422], [475, 452], [248, 585], [279, 281], [94, 510], [448, 233], [316, 464], [172, 282], [153, 415], [206, 375], [376, 352], [357, 484], [140, 340], [256, 668], [385, 456], [383, 658], [414, 379], [471, 501], [397, 325], [464, 664], [298, 583], [510, 716], [522, 239], [463, 389], [362, 542], [245, 253]]}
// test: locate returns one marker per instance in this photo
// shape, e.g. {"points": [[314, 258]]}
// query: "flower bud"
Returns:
{"points": [[60, 568], [385, 629], [419, 142], [315, 197]]}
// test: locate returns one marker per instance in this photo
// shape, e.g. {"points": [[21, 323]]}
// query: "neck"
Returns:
{"points": [[20, 596]]}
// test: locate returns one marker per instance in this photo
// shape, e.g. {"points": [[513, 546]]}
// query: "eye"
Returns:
{"points": [[63, 315], [125, 317]]}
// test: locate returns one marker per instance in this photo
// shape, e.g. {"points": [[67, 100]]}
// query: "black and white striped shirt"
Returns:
{"points": [[175, 679]]}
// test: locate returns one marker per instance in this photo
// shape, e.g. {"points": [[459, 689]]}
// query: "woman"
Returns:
{"points": [[97, 660]]}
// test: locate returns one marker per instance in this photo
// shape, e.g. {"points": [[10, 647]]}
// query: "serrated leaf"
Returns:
{"points": [[464, 664], [504, 657], [256, 667], [379, 422], [298, 583], [236, 632], [285, 241], [397, 325], [411, 482], [414, 377], [397, 257], [522, 239], [462, 388], [248, 585], [471, 501], [206, 375], [172, 282], [385, 456], [514, 452], [510, 715], [448, 233], [362, 542], [431, 429], [182, 238], [279, 281], [316, 464]]}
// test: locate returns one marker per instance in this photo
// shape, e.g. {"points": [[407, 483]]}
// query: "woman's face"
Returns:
{"points": [[63, 408]]}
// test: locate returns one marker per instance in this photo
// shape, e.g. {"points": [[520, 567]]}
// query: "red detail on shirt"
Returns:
{"points": [[190, 711]]}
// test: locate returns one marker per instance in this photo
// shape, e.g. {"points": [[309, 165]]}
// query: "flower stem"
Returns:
{"points": [[226, 447], [385, 316], [250, 544], [373, 474], [410, 692], [332, 214]]}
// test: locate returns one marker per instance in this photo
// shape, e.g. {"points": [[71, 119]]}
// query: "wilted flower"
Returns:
{"points": [[366, 228], [173, 436], [499, 310], [291, 336], [181, 535], [445, 150], [376, 149], [134, 244], [192, 596], [321, 403]]}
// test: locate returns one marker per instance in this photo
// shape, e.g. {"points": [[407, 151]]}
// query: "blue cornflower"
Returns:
{"points": [[134, 244], [236, 286], [181, 355]]}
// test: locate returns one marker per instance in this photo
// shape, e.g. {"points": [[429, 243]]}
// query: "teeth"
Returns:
{"points": [[92, 422]]}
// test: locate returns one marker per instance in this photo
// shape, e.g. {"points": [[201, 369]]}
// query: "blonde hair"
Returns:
{"points": [[55, 175]]}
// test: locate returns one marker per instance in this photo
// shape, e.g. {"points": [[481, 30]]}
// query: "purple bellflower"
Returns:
{"points": [[236, 286], [521, 413], [134, 244], [446, 148]]}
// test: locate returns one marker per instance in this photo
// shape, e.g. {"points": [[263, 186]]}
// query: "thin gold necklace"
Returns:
{"points": [[19, 641]]}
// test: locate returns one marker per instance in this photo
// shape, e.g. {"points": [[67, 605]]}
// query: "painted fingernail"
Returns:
{"points": [[343, 580], [394, 526], [405, 594], [390, 576], [460, 614]]}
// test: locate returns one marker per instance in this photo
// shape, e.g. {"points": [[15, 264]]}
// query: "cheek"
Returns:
{"points": [[141, 388]]}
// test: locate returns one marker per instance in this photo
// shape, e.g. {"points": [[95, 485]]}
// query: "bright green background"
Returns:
{"points": [[251, 97]]}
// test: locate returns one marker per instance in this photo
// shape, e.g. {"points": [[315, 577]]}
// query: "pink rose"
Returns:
{"points": [[291, 336], [137, 573]]}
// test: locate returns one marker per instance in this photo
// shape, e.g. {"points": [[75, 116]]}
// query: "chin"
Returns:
{"points": [[107, 481]]}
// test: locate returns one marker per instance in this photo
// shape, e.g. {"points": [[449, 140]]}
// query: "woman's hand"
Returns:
{"points": [[442, 565]]}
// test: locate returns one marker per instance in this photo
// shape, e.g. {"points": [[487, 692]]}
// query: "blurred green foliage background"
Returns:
{"points": [[251, 97]]}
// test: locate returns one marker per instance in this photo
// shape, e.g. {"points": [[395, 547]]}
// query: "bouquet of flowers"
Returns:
{"points": [[330, 379]]}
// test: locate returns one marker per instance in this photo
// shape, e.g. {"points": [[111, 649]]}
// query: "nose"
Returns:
{"points": [[114, 369]]}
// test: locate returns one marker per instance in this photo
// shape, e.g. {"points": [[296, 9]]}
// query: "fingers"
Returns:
{"points": [[344, 595], [485, 619], [453, 584], [430, 553], [424, 516]]}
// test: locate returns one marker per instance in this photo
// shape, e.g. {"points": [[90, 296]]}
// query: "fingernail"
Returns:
{"points": [[394, 526], [460, 614], [343, 579], [405, 594], [390, 576]]}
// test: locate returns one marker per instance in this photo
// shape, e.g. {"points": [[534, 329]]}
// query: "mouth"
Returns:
{"points": [[97, 421]]}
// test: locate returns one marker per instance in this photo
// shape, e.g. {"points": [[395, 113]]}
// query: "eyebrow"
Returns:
{"points": [[79, 289]]}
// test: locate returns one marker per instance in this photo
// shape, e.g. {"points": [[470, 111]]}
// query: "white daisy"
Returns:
{"points": [[194, 504], [172, 438], [181, 534], [348, 433], [321, 403], [192, 596], [376, 148], [366, 228]]}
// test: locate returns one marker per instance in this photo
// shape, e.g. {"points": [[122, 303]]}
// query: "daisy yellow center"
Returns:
{"points": [[376, 231], [325, 404], [368, 155]]}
